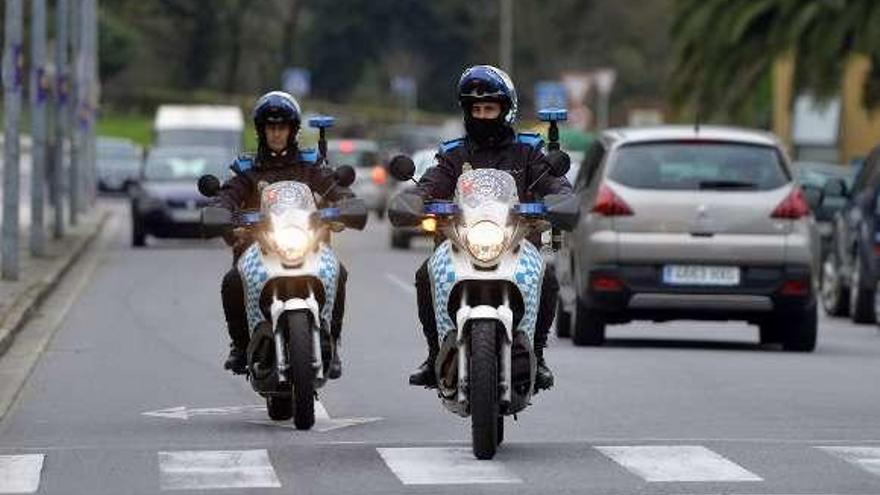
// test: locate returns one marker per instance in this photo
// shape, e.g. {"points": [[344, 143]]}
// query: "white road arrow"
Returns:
{"points": [[323, 421]]}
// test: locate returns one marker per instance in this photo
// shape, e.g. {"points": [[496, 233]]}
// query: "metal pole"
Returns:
{"points": [[94, 99], [13, 78], [62, 117], [39, 135], [506, 41], [74, 183]]}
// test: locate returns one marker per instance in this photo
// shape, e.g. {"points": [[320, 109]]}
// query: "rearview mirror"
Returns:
{"points": [[406, 210], [559, 163], [402, 168], [344, 175], [813, 196], [563, 210], [209, 185]]}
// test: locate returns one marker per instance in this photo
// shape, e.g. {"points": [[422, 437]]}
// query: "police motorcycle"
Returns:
{"points": [[290, 278], [486, 282]]}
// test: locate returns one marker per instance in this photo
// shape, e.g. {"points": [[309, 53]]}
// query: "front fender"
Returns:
{"points": [[502, 314], [310, 304]]}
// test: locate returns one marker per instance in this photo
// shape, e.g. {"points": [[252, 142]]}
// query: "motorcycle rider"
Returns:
{"points": [[277, 119], [488, 100]]}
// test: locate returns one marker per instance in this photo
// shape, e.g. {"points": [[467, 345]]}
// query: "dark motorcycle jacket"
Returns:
{"points": [[242, 191], [520, 154]]}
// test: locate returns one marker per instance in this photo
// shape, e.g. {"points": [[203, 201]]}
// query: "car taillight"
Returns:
{"points": [[877, 249], [379, 175], [610, 204], [795, 288], [793, 207], [606, 283]]}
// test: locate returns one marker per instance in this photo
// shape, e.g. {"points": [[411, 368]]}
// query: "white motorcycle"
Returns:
{"points": [[290, 278], [486, 284]]}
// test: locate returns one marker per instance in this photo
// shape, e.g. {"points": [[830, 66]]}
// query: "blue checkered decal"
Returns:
{"points": [[528, 277], [254, 275], [442, 274], [328, 273]]}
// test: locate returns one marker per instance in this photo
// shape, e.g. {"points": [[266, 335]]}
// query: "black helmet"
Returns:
{"points": [[276, 107], [488, 83]]}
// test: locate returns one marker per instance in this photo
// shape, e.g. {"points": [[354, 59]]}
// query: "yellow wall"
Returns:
{"points": [[860, 129]]}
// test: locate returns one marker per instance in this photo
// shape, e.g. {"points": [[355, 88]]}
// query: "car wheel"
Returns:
{"points": [[861, 301], [563, 321], [770, 331], [399, 240], [138, 234], [835, 297], [589, 328], [800, 331]]}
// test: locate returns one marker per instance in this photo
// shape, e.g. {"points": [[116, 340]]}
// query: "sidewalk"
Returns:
{"points": [[38, 277]]}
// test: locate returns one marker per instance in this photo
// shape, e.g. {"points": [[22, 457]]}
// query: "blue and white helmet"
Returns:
{"points": [[488, 83], [276, 107]]}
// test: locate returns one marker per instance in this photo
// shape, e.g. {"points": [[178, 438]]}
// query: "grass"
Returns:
{"points": [[138, 128]]}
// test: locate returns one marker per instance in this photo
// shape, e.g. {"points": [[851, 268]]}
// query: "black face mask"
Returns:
{"points": [[485, 132]]}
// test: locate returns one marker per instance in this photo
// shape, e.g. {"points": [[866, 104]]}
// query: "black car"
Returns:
{"points": [[850, 268], [166, 202]]}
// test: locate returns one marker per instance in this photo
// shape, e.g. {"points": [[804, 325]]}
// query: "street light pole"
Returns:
{"points": [[62, 105], [12, 89], [506, 42], [39, 93], [74, 182]]}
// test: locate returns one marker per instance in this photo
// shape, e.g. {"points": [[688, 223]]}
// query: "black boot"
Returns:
{"points": [[543, 375], [335, 370], [424, 375], [237, 360]]}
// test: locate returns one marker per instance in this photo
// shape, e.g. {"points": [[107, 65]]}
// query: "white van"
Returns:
{"points": [[199, 125]]}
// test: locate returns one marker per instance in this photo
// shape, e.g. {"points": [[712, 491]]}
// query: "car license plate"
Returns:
{"points": [[725, 276], [186, 215]]}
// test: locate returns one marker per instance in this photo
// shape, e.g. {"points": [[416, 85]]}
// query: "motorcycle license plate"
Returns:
{"points": [[722, 276]]}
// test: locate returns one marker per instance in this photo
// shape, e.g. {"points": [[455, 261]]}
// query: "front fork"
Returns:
{"points": [[278, 308], [504, 316]]}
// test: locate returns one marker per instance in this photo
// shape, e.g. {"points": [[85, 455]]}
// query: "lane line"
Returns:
{"points": [[399, 283], [443, 466], [20, 473], [867, 458], [682, 463], [203, 470]]}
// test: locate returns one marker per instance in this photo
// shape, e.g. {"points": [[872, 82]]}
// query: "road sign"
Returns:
{"points": [[604, 79], [550, 94], [297, 81], [577, 84]]}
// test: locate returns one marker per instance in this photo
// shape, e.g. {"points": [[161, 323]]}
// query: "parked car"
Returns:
{"points": [[371, 182], [850, 270], [690, 223], [118, 163], [814, 175], [166, 202], [401, 237]]}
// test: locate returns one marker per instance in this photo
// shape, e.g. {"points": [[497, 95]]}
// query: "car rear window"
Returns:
{"points": [[698, 166]]}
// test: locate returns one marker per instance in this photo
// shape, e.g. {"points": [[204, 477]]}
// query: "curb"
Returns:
{"points": [[29, 300]]}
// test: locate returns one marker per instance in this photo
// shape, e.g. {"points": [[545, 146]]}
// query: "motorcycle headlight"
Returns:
{"points": [[485, 240], [292, 242]]}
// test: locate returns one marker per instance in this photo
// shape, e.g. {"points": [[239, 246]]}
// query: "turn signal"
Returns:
{"points": [[379, 175]]}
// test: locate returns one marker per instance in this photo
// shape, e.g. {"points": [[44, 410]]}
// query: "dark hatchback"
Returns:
{"points": [[815, 175], [165, 202]]}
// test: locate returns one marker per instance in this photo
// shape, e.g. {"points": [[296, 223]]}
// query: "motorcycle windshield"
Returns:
{"points": [[486, 194], [287, 202]]}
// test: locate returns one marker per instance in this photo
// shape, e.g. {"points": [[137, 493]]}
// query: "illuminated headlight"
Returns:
{"points": [[485, 240], [292, 242]]}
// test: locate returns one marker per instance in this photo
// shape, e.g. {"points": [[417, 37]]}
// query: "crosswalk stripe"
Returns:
{"points": [[20, 473], [867, 458], [681, 463], [214, 469], [443, 466]]}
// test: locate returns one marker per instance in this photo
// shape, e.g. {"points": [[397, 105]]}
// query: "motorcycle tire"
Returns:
{"points": [[280, 407], [483, 385], [300, 359]]}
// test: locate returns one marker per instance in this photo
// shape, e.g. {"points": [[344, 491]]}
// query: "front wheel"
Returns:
{"points": [[834, 296], [483, 385], [861, 301], [302, 373]]}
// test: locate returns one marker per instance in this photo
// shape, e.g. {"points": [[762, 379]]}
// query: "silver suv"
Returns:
{"points": [[690, 223]]}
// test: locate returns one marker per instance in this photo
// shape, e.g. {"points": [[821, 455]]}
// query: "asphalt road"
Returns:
{"points": [[129, 397]]}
